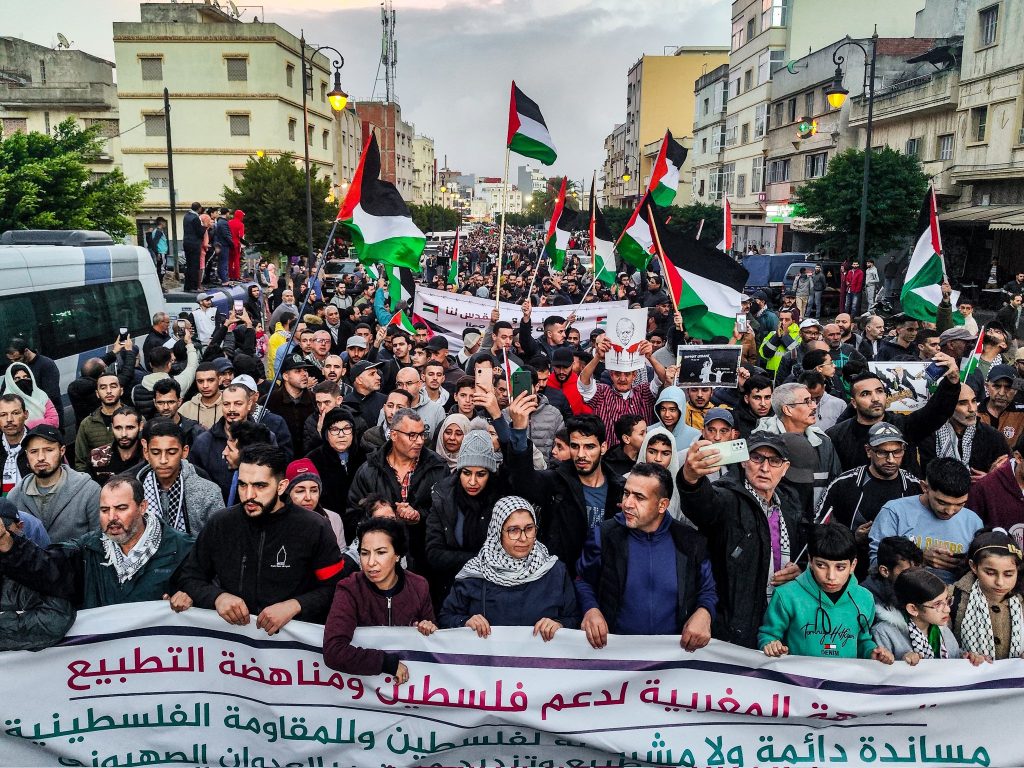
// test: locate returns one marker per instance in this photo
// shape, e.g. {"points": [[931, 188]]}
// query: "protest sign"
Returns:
{"points": [[451, 313], [906, 385], [627, 330], [139, 685], [707, 365]]}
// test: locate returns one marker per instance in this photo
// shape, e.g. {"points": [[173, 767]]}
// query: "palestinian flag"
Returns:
{"points": [[377, 217], [453, 270], [921, 287], [563, 220], [602, 247], [636, 245], [705, 283], [726, 244], [527, 132], [401, 286], [667, 168], [402, 321], [972, 362]]}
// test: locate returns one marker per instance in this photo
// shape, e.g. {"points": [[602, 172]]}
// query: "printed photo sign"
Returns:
{"points": [[707, 365]]}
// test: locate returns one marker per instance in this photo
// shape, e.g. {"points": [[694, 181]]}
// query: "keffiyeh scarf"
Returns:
{"points": [[976, 630], [948, 446], [925, 645], [127, 565], [169, 504], [496, 565]]}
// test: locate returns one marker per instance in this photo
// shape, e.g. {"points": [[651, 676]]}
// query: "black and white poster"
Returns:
{"points": [[906, 385], [707, 365]]}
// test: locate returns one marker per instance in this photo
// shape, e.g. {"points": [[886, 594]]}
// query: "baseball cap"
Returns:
{"points": [[1000, 372], [437, 343], [362, 367], [956, 333], [721, 414], [295, 362], [562, 357], [471, 336], [45, 431], [810, 322], [246, 381], [768, 440], [223, 365], [884, 432], [803, 459], [356, 341], [8, 512], [203, 297]]}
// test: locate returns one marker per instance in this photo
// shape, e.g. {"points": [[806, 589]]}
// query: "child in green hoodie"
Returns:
{"points": [[824, 611]]}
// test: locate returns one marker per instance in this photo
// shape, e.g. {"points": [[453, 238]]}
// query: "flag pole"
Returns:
{"points": [[533, 280], [501, 233], [589, 289], [661, 256]]}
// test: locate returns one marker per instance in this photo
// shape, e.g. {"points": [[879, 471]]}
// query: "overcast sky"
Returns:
{"points": [[456, 59]]}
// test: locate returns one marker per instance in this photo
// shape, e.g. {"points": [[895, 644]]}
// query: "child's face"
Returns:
{"points": [[935, 611], [997, 575], [832, 575]]}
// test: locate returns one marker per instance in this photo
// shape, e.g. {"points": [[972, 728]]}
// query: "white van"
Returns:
{"points": [[69, 292]]}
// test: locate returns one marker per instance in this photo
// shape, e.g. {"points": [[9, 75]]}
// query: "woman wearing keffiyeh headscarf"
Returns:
{"points": [[514, 581]]}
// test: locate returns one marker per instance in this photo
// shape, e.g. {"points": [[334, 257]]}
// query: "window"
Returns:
{"points": [[757, 176], [704, 146], [718, 139], [751, 28], [158, 178], [778, 171], [309, 134], [745, 134], [728, 178], [239, 125], [152, 68], [815, 165], [912, 147], [988, 19], [824, 99], [945, 148], [760, 121], [237, 174], [326, 138], [734, 87], [722, 99], [809, 104], [791, 110], [291, 130], [979, 123], [779, 107], [707, 106], [42, 71], [777, 59], [737, 34], [323, 91], [748, 80], [155, 125], [764, 69], [238, 69], [741, 185], [774, 13], [730, 131], [108, 127], [289, 75], [714, 183], [15, 125]]}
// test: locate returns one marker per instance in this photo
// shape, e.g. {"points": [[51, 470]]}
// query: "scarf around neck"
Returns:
{"points": [[497, 566], [127, 565]]}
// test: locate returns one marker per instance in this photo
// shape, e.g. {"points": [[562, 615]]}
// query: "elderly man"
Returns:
{"points": [[287, 306], [409, 379], [13, 459], [1000, 408], [158, 336], [754, 529], [871, 342], [366, 398], [966, 438], [840, 351]]}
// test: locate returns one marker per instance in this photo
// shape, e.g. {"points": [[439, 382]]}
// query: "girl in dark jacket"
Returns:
{"points": [[381, 594], [337, 459], [514, 581]]}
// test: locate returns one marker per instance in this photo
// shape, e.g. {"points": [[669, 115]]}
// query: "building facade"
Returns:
{"points": [[614, 168], [424, 170], [395, 139], [711, 93], [348, 148]]}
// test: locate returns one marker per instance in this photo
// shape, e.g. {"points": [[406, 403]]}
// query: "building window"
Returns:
{"points": [[723, 97], [326, 138], [751, 28], [988, 19], [728, 178], [777, 59], [745, 134], [760, 121], [778, 171], [14, 125], [748, 80], [764, 70], [809, 104], [815, 165], [309, 134], [323, 91], [779, 107], [239, 125], [42, 71], [291, 130], [152, 68], [718, 139], [979, 123], [734, 87], [912, 147], [238, 69], [704, 146], [757, 176], [108, 128], [155, 125], [289, 75], [791, 110], [774, 13], [158, 178], [730, 131], [714, 183], [707, 106], [737, 34], [741, 185], [946, 147], [237, 174]]}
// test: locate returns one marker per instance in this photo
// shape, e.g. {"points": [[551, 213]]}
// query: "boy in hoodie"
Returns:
{"points": [[823, 612], [669, 408]]}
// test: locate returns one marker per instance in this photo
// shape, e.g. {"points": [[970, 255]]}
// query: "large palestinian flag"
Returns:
{"points": [[706, 284], [666, 172], [377, 217], [527, 132], [921, 292], [636, 245], [601, 244], [563, 220]]}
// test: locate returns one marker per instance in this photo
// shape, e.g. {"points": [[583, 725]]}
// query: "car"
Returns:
{"points": [[335, 270]]}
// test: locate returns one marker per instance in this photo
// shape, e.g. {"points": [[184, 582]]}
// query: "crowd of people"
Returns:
{"points": [[302, 457]]}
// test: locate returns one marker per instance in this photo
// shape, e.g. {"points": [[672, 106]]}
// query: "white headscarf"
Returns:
{"points": [[674, 466], [35, 403], [495, 564], [462, 423]]}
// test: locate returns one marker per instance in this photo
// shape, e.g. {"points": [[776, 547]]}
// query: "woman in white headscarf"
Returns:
{"points": [[450, 436], [514, 581], [18, 380]]}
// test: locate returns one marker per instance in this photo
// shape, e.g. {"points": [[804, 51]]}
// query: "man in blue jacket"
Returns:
{"points": [[644, 573]]}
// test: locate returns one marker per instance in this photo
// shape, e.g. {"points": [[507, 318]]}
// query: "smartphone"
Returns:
{"points": [[741, 322], [122, 335], [238, 306], [729, 452], [179, 327], [934, 372], [522, 381]]}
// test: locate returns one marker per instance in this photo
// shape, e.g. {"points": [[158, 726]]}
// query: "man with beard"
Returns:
{"points": [[124, 452], [129, 558], [868, 398], [95, 430], [63, 500], [13, 460], [565, 379], [264, 556], [1000, 408], [167, 405], [698, 402], [966, 438]]}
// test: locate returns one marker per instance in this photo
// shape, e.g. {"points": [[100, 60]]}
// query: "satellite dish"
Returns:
{"points": [[62, 42], [234, 9]]}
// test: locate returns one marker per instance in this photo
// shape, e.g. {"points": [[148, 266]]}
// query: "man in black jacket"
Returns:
{"points": [[263, 556], [192, 242], [576, 495]]}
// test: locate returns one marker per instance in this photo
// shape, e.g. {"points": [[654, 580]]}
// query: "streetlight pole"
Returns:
{"points": [[338, 99], [836, 95], [170, 181]]}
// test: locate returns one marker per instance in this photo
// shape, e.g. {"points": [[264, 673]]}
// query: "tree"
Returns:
{"points": [[682, 219], [272, 192], [45, 183], [897, 186], [434, 218]]}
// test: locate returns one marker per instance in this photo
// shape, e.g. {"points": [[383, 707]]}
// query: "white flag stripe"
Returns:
{"points": [[377, 229], [534, 130]]}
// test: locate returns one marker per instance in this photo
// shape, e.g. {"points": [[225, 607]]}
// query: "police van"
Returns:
{"points": [[69, 293]]}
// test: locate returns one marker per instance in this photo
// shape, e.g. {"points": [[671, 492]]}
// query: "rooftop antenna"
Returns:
{"points": [[62, 42], [389, 49]]}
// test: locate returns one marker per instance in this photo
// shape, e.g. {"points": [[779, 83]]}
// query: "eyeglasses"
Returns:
{"points": [[773, 461], [525, 532], [338, 431], [893, 454], [805, 401], [416, 437], [938, 605]]}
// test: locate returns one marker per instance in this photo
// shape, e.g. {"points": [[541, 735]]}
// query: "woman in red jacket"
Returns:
{"points": [[382, 594], [237, 227]]}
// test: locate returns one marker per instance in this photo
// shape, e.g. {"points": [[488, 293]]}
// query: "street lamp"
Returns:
{"points": [[626, 176], [337, 99], [836, 95]]}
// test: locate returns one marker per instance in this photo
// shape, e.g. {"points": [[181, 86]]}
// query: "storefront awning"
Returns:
{"points": [[1013, 222], [980, 214]]}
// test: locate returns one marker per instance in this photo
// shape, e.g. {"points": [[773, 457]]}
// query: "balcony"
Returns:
{"points": [[94, 96], [929, 93]]}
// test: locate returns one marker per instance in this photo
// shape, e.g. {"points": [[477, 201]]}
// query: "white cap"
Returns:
{"points": [[246, 381]]}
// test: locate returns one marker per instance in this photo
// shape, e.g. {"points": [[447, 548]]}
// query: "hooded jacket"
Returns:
{"points": [[892, 631], [683, 433], [806, 620], [206, 415], [237, 227], [70, 510], [675, 464]]}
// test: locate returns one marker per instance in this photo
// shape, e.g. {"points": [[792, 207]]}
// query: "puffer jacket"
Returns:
{"points": [[892, 631], [29, 621], [72, 509], [544, 422]]}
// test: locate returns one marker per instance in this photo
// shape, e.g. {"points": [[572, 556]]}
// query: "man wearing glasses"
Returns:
{"points": [[753, 527], [403, 470]]}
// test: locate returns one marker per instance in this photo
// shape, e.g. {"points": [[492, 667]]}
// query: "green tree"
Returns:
{"points": [[434, 218], [897, 186], [272, 192], [45, 183], [682, 219]]}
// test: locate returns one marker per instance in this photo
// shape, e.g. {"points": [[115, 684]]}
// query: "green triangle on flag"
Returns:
{"points": [[402, 321], [922, 286], [636, 244], [453, 270]]}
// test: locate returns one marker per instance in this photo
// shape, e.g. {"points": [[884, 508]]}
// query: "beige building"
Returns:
{"points": [[711, 93], [235, 90], [348, 148], [41, 87], [424, 188], [614, 167]]}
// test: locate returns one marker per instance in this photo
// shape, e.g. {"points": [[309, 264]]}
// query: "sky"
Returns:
{"points": [[456, 59]]}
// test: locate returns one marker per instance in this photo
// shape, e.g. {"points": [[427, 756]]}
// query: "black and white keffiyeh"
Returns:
{"points": [[169, 504], [127, 565], [976, 632], [948, 446], [495, 564], [921, 643]]}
